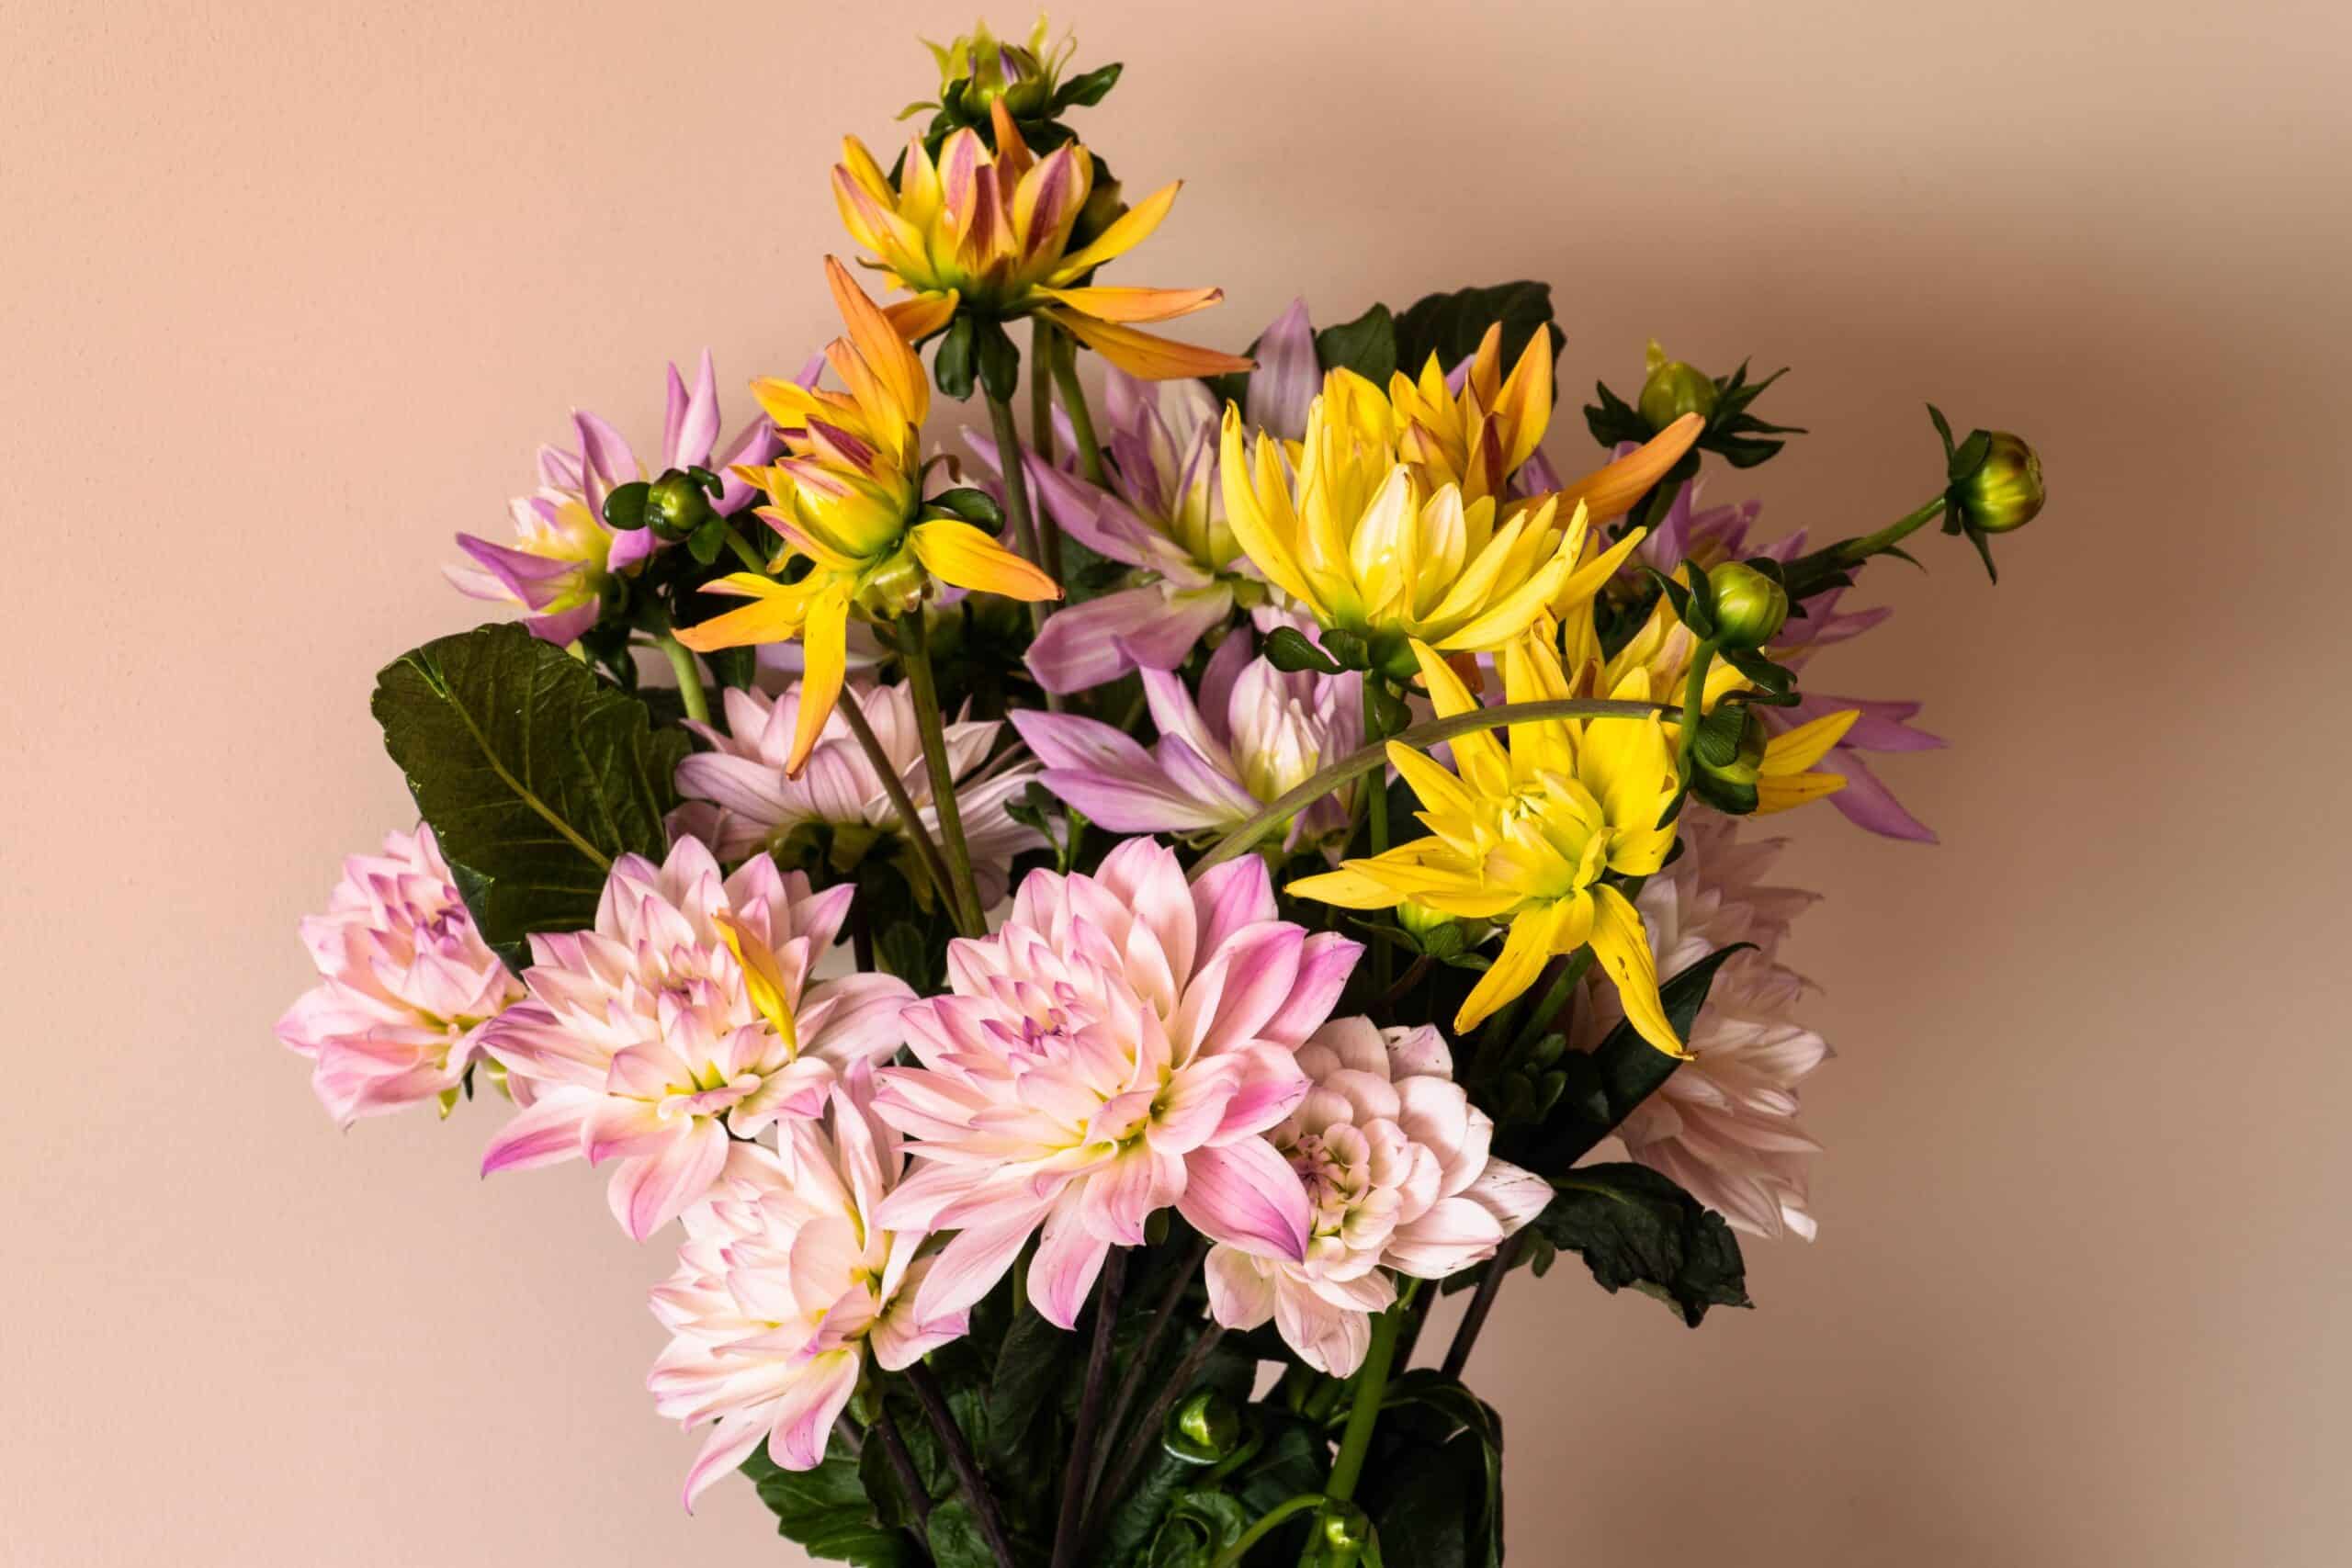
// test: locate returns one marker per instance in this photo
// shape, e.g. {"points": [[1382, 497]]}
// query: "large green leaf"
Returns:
{"points": [[534, 774], [826, 1511], [1633, 1226], [1449, 325]]}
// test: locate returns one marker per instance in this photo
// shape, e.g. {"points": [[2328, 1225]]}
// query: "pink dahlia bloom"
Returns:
{"points": [[562, 550], [1255, 733], [741, 800], [405, 984], [1118, 1046], [786, 1282], [685, 1015], [1726, 1124], [1393, 1160]]}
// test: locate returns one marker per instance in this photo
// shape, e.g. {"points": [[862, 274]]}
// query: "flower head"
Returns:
{"points": [[405, 983], [1163, 515], [975, 69], [847, 498], [992, 230], [1393, 1160], [785, 1283], [741, 800], [563, 552], [1116, 1047], [1392, 520], [1522, 832], [684, 1016], [1255, 733], [1724, 1125]]}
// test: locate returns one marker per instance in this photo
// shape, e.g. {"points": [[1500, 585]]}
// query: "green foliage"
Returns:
{"points": [[534, 774], [1434, 1486], [1367, 345], [1733, 434], [1449, 325], [826, 1511], [1633, 1226], [954, 1539], [1197, 1526]]}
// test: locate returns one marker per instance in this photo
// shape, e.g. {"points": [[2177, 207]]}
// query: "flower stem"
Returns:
{"points": [[1146, 1428], [960, 1459], [1421, 737], [750, 557], [902, 1463], [1482, 1302], [1807, 575], [1082, 416], [1267, 1523], [1089, 1408], [1372, 1382], [1564, 986], [1163, 1315], [914, 651], [1011, 459], [681, 664], [1040, 386], [910, 819], [1694, 704]]}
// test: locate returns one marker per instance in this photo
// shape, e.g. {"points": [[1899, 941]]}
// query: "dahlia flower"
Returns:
{"points": [[1522, 836], [784, 1283], [1255, 733], [563, 552], [1394, 1159], [1117, 1046], [684, 1017], [848, 496], [405, 984], [1393, 523], [991, 230], [1724, 1126], [1164, 516], [741, 800]]}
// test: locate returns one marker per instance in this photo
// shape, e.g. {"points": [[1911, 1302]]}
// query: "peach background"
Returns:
{"points": [[289, 292]]}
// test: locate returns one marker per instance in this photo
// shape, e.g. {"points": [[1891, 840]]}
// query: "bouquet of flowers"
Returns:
{"points": [[1115, 918]]}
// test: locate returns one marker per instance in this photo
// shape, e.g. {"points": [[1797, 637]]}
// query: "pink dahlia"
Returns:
{"points": [[1725, 1127], [741, 800], [1118, 1046], [405, 984], [784, 1283], [684, 1017], [1393, 1160]]}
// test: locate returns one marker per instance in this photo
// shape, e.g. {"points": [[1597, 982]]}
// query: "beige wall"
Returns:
{"points": [[288, 293]]}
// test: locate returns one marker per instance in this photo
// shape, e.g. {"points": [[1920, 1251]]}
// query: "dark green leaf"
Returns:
{"points": [[973, 505], [1198, 1525], [953, 366], [1633, 1226], [1449, 325], [955, 1539], [825, 1511], [1036, 1361], [534, 775], [1289, 650], [1367, 345], [999, 360], [1088, 88]]}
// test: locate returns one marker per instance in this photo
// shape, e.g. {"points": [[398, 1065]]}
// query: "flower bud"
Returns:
{"points": [[676, 505], [1203, 1429], [979, 68], [1750, 607], [1729, 759], [2006, 491], [1673, 390], [894, 588]]}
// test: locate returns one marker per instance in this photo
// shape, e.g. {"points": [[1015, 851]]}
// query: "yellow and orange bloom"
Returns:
{"points": [[1392, 520], [1522, 830], [847, 498], [992, 230]]}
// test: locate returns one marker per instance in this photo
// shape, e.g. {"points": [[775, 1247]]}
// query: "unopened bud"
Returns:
{"points": [[2006, 491], [894, 588], [1205, 1429], [1673, 390], [676, 505], [1750, 607]]}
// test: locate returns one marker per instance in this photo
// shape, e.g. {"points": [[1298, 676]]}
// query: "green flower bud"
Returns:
{"points": [[2006, 491], [1729, 758], [1750, 607], [1205, 1429], [1343, 1531], [676, 505], [1673, 390], [1424, 923], [894, 588]]}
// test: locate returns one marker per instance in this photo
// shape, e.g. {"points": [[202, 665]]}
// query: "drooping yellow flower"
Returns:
{"points": [[1522, 830], [1661, 652], [992, 230], [1390, 521], [847, 498]]}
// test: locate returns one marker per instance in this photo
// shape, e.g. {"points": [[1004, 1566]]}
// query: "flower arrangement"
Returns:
{"points": [[1160, 895]]}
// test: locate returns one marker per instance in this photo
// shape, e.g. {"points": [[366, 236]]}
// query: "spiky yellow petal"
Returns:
{"points": [[962, 555]]}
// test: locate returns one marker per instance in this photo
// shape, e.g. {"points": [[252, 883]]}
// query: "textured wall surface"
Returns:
{"points": [[289, 292]]}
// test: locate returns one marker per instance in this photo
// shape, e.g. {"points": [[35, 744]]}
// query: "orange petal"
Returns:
{"points": [[1145, 355], [918, 318], [1115, 304], [886, 353], [1607, 492], [961, 554]]}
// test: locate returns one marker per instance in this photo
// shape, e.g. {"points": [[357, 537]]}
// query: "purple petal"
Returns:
{"points": [[1868, 804], [693, 426], [1286, 377], [631, 546], [565, 626], [606, 458], [1083, 646], [1245, 1195], [1883, 727], [1165, 638], [529, 578]]}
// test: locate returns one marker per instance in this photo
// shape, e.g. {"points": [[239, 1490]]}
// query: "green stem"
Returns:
{"points": [[1010, 458], [914, 649], [1853, 552], [1695, 703], [683, 665], [1082, 416], [910, 819], [1267, 1524], [1563, 987], [744, 551], [1421, 737], [1040, 386], [1372, 1382]]}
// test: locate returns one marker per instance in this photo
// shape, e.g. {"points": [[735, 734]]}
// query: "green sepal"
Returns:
{"points": [[974, 506], [1088, 88], [1288, 649], [953, 366], [999, 359], [624, 505]]}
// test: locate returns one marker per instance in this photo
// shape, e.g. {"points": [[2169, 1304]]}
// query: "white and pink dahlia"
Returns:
{"points": [[1725, 1127], [1120, 1045], [786, 1282], [1393, 1161], [739, 799], [685, 1015], [405, 984]]}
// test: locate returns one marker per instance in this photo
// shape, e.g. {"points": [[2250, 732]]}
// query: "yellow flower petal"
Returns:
{"points": [[1145, 355], [1437, 789], [776, 617], [1624, 948], [1263, 537], [958, 553], [1535, 939], [1127, 230], [1800, 748], [916, 319], [1346, 888], [1788, 794], [1109, 304], [825, 656]]}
